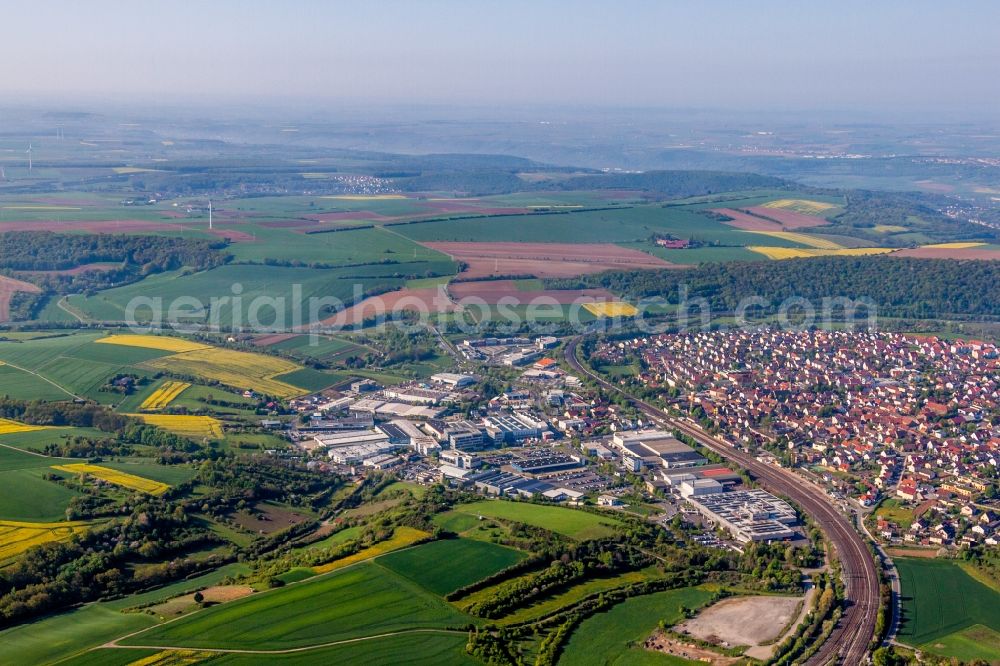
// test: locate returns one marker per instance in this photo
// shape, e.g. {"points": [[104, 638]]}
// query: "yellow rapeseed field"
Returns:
{"points": [[401, 538], [888, 228], [7, 427], [804, 206], [805, 239], [164, 395], [801, 252], [611, 309], [189, 426], [241, 370], [116, 477], [954, 246], [17, 537], [173, 658], [154, 342]]}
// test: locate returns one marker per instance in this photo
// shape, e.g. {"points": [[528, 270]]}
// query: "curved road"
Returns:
{"points": [[848, 644]]}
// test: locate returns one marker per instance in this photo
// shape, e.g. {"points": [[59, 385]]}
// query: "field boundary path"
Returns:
{"points": [[849, 640], [45, 379], [305, 648], [71, 311]]}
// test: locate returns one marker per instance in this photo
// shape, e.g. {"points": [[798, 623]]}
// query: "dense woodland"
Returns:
{"points": [[40, 256], [898, 286]]}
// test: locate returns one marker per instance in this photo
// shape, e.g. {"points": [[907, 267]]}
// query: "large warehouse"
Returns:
{"points": [[749, 515]]}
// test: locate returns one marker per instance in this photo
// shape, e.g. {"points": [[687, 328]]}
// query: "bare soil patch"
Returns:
{"points": [[8, 287], [950, 253], [428, 299], [268, 519], [789, 219], [747, 222], [742, 620], [544, 260], [93, 226], [273, 339], [218, 594], [660, 642], [926, 553], [232, 235]]}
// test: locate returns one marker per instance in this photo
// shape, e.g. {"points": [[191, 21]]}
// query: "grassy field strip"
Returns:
{"points": [[570, 522], [954, 246], [403, 537], [44, 379], [183, 424], [116, 477], [164, 395]]}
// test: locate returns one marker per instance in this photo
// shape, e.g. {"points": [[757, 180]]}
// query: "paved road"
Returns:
{"points": [[848, 644]]}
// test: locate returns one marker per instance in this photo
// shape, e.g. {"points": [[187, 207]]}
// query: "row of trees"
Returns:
{"points": [[896, 286]]}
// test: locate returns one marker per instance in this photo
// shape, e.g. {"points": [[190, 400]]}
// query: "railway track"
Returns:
{"points": [[849, 641]]}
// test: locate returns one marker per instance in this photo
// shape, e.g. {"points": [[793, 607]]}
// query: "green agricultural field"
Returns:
{"points": [[169, 474], [13, 458], [57, 637], [609, 637], [68, 362], [424, 648], [25, 496], [562, 598], [37, 440], [445, 566], [570, 522], [360, 246], [624, 225], [22, 385], [309, 379], [317, 346], [943, 606], [362, 600], [271, 296]]}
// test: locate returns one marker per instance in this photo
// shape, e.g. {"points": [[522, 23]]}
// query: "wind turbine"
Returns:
{"points": [[29, 157], [209, 213]]}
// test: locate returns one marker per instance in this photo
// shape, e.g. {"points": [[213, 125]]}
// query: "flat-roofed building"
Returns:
{"points": [[453, 379], [657, 447], [749, 515]]}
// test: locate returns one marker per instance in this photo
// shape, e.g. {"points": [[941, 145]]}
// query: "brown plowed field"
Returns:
{"points": [[492, 291], [234, 236], [428, 300], [747, 222], [93, 226], [950, 253], [544, 260], [8, 287], [789, 219], [273, 339]]}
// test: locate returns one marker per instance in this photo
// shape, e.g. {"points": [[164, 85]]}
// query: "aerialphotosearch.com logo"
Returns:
{"points": [[541, 313]]}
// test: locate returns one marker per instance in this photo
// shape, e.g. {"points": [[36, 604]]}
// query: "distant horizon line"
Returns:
{"points": [[266, 106]]}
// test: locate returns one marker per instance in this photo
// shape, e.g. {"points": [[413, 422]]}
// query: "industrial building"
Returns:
{"points": [[453, 380], [510, 428], [749, 515], [656, 448]]}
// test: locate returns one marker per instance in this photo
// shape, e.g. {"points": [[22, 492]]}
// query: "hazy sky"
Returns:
{"points": [[873, 54]]}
